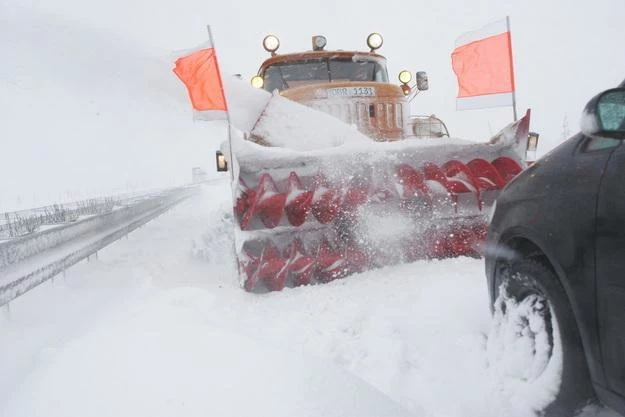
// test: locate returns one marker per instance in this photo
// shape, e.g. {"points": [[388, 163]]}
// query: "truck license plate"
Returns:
{"points": [[351, 92]]}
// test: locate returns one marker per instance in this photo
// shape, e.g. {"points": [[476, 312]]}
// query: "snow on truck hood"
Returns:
{"points": [[298, 132], [291, 125]]}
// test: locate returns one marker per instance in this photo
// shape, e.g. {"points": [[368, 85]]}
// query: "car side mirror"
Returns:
{"points": [[422, 81], [604, 115]]}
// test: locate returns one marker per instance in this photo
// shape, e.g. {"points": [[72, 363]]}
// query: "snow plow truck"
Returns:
{"points": [[336, 177]]}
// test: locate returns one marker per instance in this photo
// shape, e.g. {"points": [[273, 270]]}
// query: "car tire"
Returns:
{"points": [[525, 285]]}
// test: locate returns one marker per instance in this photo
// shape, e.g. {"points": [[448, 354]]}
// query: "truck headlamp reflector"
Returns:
{"points": [[319, 42], [405, 77], [271, 43], [220, 161], [257, 81], [374, 41]]}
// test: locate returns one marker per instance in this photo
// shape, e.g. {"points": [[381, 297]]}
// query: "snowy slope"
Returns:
{"points": [[87, 111], [159, 326]]}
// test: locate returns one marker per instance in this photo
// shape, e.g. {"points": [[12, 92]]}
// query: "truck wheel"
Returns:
{"points": [[534, 344]]}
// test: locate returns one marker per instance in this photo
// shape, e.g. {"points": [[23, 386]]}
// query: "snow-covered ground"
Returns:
{"points": [[158, 326]]}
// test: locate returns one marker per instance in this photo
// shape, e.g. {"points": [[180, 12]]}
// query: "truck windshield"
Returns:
{"points": [[314, 71]]}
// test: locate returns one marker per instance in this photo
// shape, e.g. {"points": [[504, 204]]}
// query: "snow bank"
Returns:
{"points": [[168, 357], [171, 349], [245, 103]]}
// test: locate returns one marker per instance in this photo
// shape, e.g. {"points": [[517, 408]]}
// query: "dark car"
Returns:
{"points": [[556, 246]]}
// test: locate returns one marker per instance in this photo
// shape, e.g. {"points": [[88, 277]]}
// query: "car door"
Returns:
{"points": [[610, 266]]}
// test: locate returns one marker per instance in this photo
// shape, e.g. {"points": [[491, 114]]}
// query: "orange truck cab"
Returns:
{"points": [[350, 85]]}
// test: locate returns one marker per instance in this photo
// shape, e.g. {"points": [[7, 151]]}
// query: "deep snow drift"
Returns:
{"points": [[159, 326]]}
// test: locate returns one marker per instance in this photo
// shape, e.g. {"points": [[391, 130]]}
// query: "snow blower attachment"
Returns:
{"points": [[335, 177]]}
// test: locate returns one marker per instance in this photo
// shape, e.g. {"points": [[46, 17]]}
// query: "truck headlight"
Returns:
{"points": [[319, 42], [257, 81], [220, 161], [532, 141], [374, 41], [271, 43], [405, 77]]}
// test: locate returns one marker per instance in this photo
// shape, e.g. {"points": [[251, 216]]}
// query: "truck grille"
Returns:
{"points": [[369, 117]]}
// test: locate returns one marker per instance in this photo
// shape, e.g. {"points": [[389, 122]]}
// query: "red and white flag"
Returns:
{"points": [[198, 69], [482, 62]]}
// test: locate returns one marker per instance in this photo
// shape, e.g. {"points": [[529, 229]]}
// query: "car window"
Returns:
{"points": [[611, 111], [597, 143]]}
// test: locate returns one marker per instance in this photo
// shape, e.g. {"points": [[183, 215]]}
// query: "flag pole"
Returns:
{"points": [[231, 160], [221, 85], [511, 68]]}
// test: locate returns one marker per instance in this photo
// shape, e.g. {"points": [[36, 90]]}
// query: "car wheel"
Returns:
{"points": [[534, 344]]}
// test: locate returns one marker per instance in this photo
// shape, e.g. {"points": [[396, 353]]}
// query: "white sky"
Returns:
{"points": [[88, 103]]}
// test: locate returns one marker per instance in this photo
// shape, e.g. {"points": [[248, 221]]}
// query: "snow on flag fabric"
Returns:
{"points": [[198, 69], [482, 62]]}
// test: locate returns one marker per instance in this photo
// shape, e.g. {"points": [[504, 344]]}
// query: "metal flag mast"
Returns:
{"points": [[511, 69], [221, 85]]}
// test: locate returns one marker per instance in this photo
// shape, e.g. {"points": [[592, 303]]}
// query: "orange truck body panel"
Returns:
{"points": [[383, 116]]}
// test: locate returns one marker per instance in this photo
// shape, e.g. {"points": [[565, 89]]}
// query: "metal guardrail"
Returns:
{"points": [[28, 261], [14, 224]]}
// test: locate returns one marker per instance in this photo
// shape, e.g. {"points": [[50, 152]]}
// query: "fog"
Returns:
{"points": [[89, 105]]}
